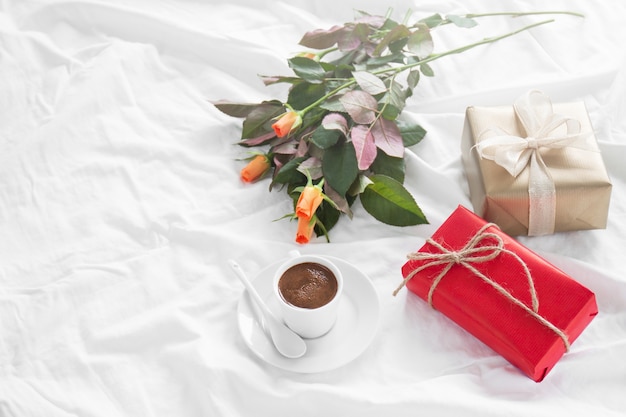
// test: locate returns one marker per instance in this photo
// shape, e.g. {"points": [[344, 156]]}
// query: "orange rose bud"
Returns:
{"points": [[310, 199], [255, 168], [305, 230], [287, 122]]}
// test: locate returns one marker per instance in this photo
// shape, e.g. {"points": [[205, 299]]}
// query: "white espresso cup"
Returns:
{"points": [[308, 289]]}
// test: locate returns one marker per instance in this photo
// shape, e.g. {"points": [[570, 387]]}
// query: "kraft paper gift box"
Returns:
{"points": [[514, 301], [535, 168]]}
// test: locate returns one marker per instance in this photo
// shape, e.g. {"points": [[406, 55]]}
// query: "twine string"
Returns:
{"points": [[473, 253]]}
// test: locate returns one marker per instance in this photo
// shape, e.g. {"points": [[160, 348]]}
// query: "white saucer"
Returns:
{"points": [[355, 328]]}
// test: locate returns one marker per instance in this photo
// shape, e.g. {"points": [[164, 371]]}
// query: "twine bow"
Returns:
{"points": [[472, 253], [513, 153]]}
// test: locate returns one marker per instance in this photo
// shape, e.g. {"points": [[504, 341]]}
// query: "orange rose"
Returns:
{"points": [[255, 169], [305, 230], [310, 199], [287, 122]]}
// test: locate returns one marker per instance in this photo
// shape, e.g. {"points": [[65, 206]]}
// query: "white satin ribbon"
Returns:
{"points": [[514, 153]]}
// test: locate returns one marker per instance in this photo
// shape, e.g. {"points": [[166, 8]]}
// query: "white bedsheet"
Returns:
{"points": [[120, 201]]}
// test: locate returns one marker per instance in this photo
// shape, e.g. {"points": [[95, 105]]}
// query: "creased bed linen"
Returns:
{"points": [[120, 201]]}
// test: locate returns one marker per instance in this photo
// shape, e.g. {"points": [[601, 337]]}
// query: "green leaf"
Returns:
{"points": [[288, 173], [388, 165], [433, 21], [388, 25], [413, 78], [303, 93], [325, 138], [333, 104], [259, 121], [389, 111], [359, 185], [395, 97], [235, 109], [427, 70], [347, 59], [340, 167], [412, 134], [421, 42], [328, 216], [312, 118], [389, 202], [328, 66], [395, 34], [396, 47], [343, 71], [379, 61], [461, 21], [308, 69]]}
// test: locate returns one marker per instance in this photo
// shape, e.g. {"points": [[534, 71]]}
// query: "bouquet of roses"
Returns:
{"points": [[338, 136]]}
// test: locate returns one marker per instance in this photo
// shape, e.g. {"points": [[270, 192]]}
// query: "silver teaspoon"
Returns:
{"points": [[286, 341]]}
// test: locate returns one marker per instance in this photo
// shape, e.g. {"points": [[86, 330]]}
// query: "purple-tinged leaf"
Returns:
{"points": [[369, 82], [388, 138], [275, 79], [335, 121], [288, 148], [360, 105], [259, 140], [322, 38], [340, 201], [364, 146], [353, 37], [302, 148], [373, 21], [313, 166]]}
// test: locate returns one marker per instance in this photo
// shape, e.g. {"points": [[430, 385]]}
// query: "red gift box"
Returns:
{"points": [[504, 294]]}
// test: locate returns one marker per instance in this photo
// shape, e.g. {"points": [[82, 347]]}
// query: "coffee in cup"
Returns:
{"points": [[308, 289], [308, 285]]}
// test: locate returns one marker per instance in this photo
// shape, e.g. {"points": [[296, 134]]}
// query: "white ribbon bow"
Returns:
{"points": [[514, 153]]}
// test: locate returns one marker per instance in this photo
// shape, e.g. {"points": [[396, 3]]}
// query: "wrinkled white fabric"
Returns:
{"points": [[120, 202]]}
